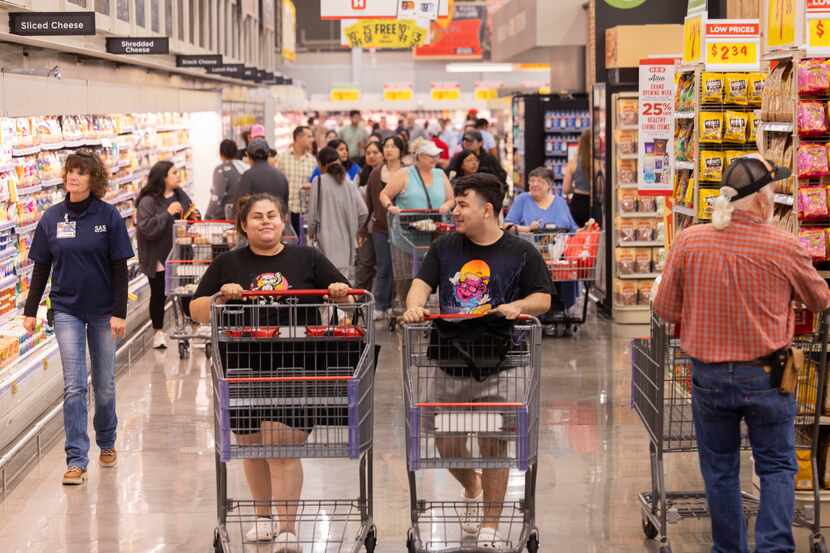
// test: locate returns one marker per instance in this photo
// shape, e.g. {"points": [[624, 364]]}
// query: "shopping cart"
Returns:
{"points": [[195, 245], [411, 234], [571, 258], [661, 391], [472, 432], [286, 366]]}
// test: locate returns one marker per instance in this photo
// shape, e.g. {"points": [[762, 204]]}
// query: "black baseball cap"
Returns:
{"points": [[473, 136], [748, 175], [258, 146]]}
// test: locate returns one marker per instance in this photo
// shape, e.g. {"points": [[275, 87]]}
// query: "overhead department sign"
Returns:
{"points": [[384, 33]]}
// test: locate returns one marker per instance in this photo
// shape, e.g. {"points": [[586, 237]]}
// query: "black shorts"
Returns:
{"points": [[300, 404]]}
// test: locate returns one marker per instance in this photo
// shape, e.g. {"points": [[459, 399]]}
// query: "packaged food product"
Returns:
{"points": [[627, 111], [626, 230], [704, 202], [660, 231], [812, 203], [626, 260], [684, 145], [625, 292], [711, 127], [642, 260], [690, 193], [647, 204], [753, 126], [731, 155], [644, 292], [658, 257], [814, 242], [711, 166], [684, 97], [627, 142], [813, 76], [712, 87], [627, 171], [628, 200], [735, 125], [645, 230], [812, 119], [736, 89], [756, 88], [812, 161]]}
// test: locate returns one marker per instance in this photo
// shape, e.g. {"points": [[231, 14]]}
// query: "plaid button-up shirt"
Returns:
{"points": [[731, 290], [297, 171]]}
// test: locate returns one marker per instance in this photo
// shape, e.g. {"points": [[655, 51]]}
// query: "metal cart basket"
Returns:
{"points": [[497, 429], [292, 380], [661, 394], [195, 245]]}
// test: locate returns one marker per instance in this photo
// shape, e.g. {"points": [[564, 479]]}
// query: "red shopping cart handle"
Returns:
{"points": [[210, 221], [405, 211], [299, 293], [466, 316]]}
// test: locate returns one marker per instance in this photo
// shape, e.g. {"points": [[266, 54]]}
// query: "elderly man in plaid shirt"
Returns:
{"points": [[731, 285]]}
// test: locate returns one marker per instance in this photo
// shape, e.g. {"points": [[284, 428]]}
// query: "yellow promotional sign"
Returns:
{"points": [[781, 17], [344, 95], [485, 94], [385, 33], [818, 35], [731, 53], [398, 94], [445, 94], [693, 38]]}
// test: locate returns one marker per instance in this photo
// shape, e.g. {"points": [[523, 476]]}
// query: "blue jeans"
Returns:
{"points": [[70, 332], [383, 278], [722, 395]]}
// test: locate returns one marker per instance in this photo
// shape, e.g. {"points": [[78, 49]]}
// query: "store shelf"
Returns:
{"points": [[683, 210], [639, 215], [8, 281], [27, 270], [20, 152], [8, 167], [684, 165], [51, 182], [684, 115], [8, 253], [557, 155], [29, 190], [638, 276], [641, 244], [784, 199], [126, 212], [123, 197], [777, 127], [566, 131], [627, 127], [626, 156], [27, 228], [53, 146], [629, 186], [124, 180], [7, 226]]}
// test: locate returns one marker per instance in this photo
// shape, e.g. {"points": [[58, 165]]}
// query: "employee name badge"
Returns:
{"points": [[66, 229]]}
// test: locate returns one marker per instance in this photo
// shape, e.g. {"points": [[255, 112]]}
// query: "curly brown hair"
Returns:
{"points": [[88, 163]]}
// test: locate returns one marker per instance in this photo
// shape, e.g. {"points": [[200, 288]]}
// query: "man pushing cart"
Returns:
{"points": [[472, 386]]}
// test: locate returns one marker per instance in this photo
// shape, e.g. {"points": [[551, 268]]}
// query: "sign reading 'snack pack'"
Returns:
{"points": [[52, 23], [138, 46], [198, 61]]}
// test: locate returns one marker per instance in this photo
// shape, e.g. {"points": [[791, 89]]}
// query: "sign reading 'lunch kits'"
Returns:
{"points": [[52, 23], [137, 45], [198, 61]]}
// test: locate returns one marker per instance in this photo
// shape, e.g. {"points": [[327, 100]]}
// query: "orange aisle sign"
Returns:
{"points": [[398, 93], [485, 91], [733, 45], [780, 18], [818, 27], [344, 95], [445, 92], [693, 38]]}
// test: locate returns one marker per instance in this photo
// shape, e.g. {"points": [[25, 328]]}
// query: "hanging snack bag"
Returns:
{"points": [[812, 119], [644, 292], [812, 161], [812, 203], [626, 259], [642, 260], [813, 76], [625, 292], [645, 230], [814, 242], [647, 204], [711, 127], [628, 200], [658, 257], [712, 85], [753, 125], [711, 166], [735, 125], [626, 230], [731, 155], [689, 196], [756, 88], [736, 89]]}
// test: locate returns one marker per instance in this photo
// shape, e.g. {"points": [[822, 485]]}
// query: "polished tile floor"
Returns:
{"points": [[161, 497]]}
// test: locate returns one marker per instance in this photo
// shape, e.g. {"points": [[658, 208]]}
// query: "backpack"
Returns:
{"points": [[475, 348]]}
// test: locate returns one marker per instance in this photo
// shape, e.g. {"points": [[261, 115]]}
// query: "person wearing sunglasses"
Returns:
{"points": [[83, 242], [730, 285]]}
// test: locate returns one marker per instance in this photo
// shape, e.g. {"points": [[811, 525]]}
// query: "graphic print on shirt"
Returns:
{"points": [[471, 287], [269, 282]]}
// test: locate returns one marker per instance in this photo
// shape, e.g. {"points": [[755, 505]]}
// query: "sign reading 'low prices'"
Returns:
{"points": [[445, 92], [733, 45], [656, 126], [385, 33], [818, 27]]}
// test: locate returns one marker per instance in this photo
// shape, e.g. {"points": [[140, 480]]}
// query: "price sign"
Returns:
{"points": [[693, 38], [818, 36], [398, 94], [344, 95], [485, 94], [733, 45], [781, 16], [445, 92]]}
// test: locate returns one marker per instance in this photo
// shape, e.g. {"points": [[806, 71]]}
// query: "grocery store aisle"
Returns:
{"points": [[160, 499]]}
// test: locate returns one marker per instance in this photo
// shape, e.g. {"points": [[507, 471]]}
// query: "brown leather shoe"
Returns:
{"points": [[108, 458], [74, 476]]}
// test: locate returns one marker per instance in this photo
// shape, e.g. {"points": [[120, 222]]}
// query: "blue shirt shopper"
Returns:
{"points": [[84, 242]]}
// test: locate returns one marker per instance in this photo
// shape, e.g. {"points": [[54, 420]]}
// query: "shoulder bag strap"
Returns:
{"points": [[424, 186], [319, 209]]}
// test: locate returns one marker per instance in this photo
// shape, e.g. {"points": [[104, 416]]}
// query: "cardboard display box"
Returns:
{"points": [[626, 45]]}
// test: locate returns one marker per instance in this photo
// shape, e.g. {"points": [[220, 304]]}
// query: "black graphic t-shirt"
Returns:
{"points": [[473, 279], [295, 267]]}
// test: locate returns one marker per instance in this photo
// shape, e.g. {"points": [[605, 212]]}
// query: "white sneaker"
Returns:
{"points": [[471, 517], [378, 315], [159, 339], [287, 542], [261, 531], [489, 539]]}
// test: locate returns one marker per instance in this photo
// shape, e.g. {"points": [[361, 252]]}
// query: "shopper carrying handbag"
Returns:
{"points": [[160, 202], [83, 242]]}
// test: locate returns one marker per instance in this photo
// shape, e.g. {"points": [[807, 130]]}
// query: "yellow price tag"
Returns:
{"points": [[485, 94], [398, 95], [692, 39], [445, 94], [731, 53], [344, 95], [781, 16], [819, 32]]}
